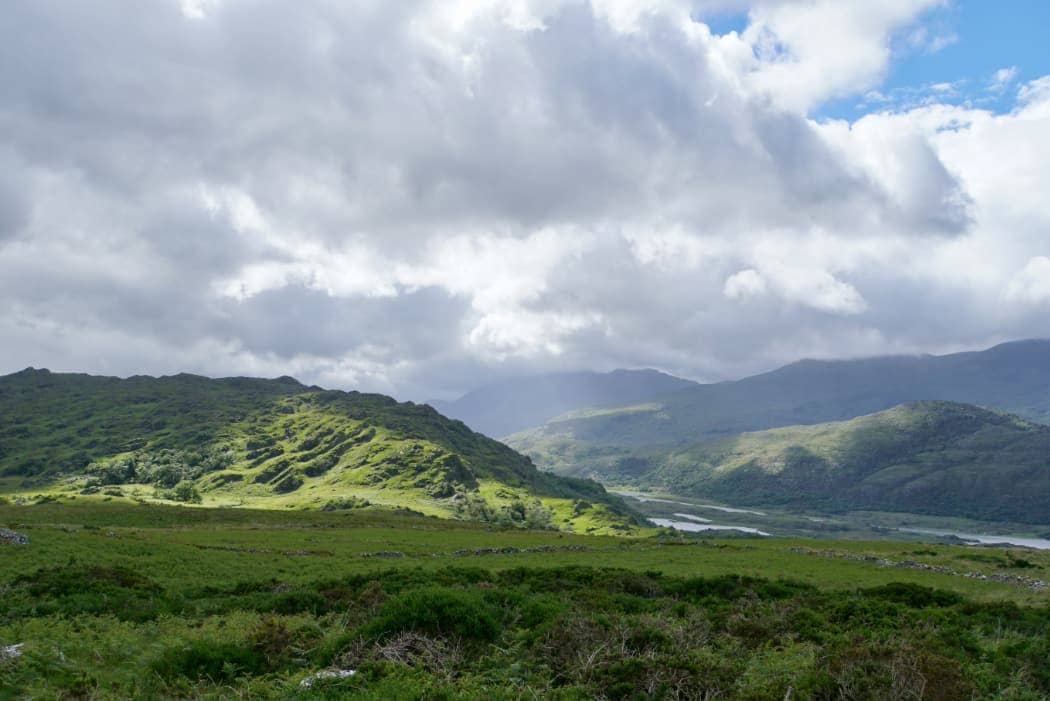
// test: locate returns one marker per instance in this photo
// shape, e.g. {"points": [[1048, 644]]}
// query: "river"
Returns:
{"points": [[1039, 543]]}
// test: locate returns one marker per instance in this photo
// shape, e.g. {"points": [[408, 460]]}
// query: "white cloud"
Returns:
{"points": [[197, 9], [811, 51], [1003, 78], [744, 284], [1035, 93], [416, 197], [1031, 285], [809, 287]]}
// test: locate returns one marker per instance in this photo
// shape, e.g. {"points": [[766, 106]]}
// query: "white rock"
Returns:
{"points": [[9, 652], [327, 674]]}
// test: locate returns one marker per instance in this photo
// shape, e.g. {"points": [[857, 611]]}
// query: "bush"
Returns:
{"points": [[913, 595], [76, 590], [211, 659], [345, 503], [298, 601], [184, 491], [438, 611]]}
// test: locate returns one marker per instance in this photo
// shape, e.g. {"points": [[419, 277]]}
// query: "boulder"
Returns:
{"points": [[9, 537]]}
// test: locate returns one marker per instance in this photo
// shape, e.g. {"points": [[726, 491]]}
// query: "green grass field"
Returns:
{"points": [[126, 601]]}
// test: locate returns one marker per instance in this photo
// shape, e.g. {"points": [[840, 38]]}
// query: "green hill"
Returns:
{"points": [[272, 443], [927, 457]]}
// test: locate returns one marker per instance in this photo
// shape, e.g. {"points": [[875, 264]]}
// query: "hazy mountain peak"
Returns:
{"points": [[510, 405]]}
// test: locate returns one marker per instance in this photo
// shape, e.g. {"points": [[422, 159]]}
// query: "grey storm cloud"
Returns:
{"points": [[14, 206], [419, 196]]}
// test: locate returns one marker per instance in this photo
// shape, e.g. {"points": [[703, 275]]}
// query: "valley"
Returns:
{"points": [[187, 537], [701, 516], [937, 458], [524, 350]]}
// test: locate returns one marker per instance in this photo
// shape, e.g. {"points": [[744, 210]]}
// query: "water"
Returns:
{"points": [[695, 524], [1039, 543], [641, 497], [691, 517], [691, 527], [727, 509]]}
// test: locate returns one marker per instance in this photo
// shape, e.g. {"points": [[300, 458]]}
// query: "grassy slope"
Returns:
{"points": [[117, 601], [282, 444], [926, 457]]}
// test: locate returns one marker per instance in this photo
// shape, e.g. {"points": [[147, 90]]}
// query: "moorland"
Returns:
{"points": [[116, 600]]}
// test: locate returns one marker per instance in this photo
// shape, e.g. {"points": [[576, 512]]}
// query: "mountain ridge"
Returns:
{"points": [[1013, 376], [513, 404]]}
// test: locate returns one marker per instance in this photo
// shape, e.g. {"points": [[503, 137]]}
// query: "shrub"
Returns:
{"points": [[186, 491], [211, 659], [913, 595], [438, 611], [271, 638], [74, 590], [298, 601], [345, 503]]}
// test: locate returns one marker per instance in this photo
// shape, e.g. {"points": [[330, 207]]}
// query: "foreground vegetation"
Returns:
{"points": [[117, 601]]}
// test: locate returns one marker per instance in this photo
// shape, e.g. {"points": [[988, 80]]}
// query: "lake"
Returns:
{"points": [[693, 527]]}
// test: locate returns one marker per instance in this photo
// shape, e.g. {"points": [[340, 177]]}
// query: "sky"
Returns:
{"points": [[420, 197]]}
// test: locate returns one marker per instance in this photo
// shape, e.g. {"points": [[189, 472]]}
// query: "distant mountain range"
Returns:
{"points": [[1013, 377], [927, 457], [669, 441], [513, 405], [272, 443]]}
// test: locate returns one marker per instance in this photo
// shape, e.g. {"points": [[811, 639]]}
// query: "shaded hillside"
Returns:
{"points": [[512, 405], [249, 441], [929, 457], [1013, 377]]}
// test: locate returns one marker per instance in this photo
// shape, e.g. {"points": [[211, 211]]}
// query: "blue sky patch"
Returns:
{"points": [[973, 52]]}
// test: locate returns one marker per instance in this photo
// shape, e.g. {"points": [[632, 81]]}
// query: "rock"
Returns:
{"points": [[10, 652], [309, 681], [9, 537]]}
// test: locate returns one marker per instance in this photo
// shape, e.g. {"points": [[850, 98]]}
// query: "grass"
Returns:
{"points": [[115, 601], [219, 545]]}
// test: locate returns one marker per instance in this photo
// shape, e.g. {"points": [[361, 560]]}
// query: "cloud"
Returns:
{"points": [[808, 52], [14, 206], [809, 287], [1031, 285], [417, 197], [1003, 78]]}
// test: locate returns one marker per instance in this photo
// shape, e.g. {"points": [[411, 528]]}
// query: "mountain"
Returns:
{"points": [[931, 457], [1013, 377], [244, 441], [513, 405]]}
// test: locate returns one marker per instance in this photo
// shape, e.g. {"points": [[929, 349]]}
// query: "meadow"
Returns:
{"points": [[115, 600]]}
